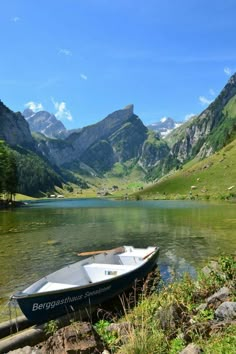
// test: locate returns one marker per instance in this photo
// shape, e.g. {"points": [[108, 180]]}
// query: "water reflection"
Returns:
{"points": [[37, 239]]}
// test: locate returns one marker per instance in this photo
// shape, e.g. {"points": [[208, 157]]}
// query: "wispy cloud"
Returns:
{"points": [[212, 92], [189, 116], [204, 100], [84, 77], [61, 111], [228, 71], [34, 106], [15, 19], [65, 52]]}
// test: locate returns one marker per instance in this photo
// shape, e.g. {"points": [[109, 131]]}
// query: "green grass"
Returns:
{"points": [[212, 178], [167, 321], [20, 197]]}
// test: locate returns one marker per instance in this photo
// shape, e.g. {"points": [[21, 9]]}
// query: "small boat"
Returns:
{"points": [[90, 281]]}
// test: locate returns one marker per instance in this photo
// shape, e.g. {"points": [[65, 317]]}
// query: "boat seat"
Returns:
{"points": [[98, 272], [50, 286], [134, 256]]}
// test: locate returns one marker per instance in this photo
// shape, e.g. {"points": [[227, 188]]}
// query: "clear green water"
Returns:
{"points": [[43, 236]]}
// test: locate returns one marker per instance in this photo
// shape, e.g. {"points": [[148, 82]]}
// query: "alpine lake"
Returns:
{"points": [[42, 236]]}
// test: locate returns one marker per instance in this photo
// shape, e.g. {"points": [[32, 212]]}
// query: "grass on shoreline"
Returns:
{"points": [[167, 321]]}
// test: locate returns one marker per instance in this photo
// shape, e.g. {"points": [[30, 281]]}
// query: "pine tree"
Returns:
{"points": [[11, 179], [8, 172]]}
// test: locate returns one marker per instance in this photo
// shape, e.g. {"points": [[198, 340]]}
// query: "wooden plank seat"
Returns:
{"points": [[98, 272]]}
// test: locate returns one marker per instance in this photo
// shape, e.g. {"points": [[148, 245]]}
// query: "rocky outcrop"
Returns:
{"points": [[127, 141], [58, 152], [14, 129], [153, 153], [76, 338]]}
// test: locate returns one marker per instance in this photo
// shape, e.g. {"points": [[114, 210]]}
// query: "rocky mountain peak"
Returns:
{"points": [[164, 126], [45, 123], [129, 107], [28, 113]]}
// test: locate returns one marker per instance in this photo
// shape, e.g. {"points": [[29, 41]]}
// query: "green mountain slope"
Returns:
{"points": [[213, 177], [214, 128]]}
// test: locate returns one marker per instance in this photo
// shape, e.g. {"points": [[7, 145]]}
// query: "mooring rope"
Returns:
{"points": [[11, 304]]}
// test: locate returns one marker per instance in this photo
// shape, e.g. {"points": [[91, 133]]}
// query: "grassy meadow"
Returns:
{"points": [[211, 178]]}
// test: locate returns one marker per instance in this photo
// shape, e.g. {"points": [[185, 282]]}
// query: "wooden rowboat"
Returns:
{"points": [[90, 281]]}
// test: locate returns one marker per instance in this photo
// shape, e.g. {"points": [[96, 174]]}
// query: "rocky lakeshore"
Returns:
{"points": [[187, 316]]}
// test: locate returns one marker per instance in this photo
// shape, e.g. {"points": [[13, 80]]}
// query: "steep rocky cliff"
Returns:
{"points": [[14, 129], [117, 138], [154, 151], [89, 135], [209, 131]]}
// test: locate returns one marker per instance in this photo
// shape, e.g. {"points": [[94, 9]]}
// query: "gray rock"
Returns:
{"points": [[172, 316], [202, 307], [226, 311], [191, 349], [120, 328], [206, 270], [220, 295], [212, 267], [25, 350]]}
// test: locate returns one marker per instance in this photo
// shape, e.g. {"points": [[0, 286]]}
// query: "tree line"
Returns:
{"points": [[8, 173], [23, 171]]}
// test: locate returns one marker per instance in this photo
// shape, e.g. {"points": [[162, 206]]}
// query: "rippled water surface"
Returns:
{"points": [[43, 236]]}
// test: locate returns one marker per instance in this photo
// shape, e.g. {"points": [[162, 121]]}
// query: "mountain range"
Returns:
{"points": [[47, 124], [164, 126], [121, 139]]}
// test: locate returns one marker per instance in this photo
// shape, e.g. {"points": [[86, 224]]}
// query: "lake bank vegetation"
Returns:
{"points": [[184, 316]]}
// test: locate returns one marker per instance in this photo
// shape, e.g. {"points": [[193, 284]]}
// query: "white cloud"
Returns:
{"points": [[189, 116], [34, 106], [66, 52], [204, 101], [61, 111], [212, 92], [228, 71], [15, 19], [84, 77]]}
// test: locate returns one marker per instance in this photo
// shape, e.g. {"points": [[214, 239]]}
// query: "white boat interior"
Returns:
{"points": [[94, 269]]}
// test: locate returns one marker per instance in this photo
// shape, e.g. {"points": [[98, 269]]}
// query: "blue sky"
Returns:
{"points": [[83, 59]]}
